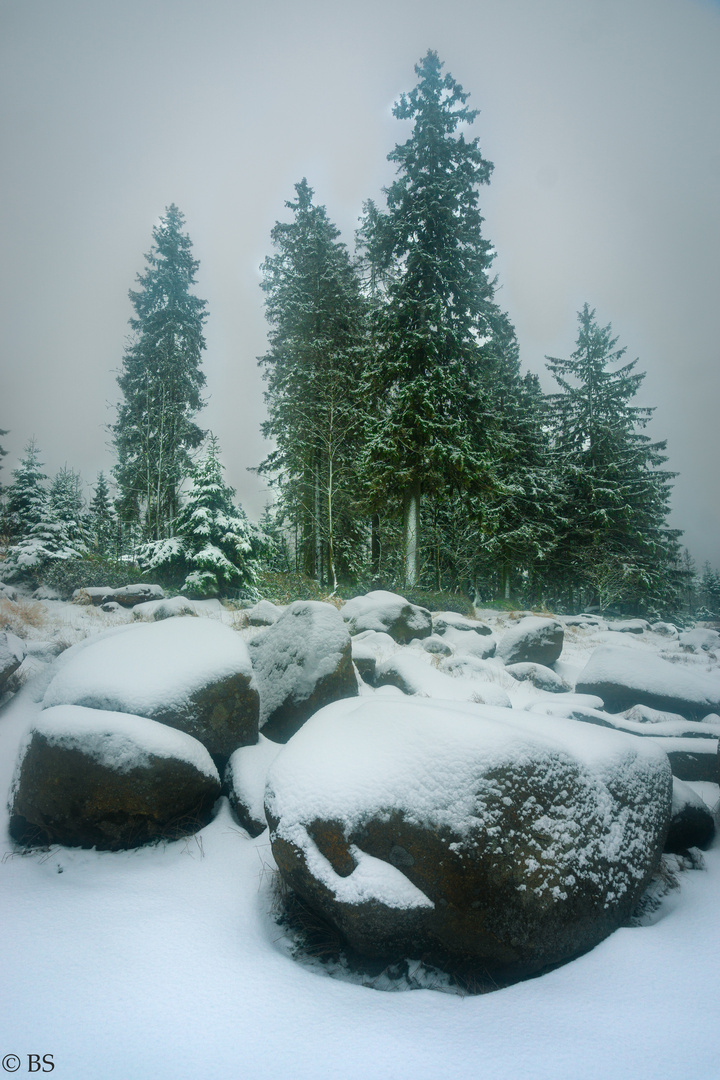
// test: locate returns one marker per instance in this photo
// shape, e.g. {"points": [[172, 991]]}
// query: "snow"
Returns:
{"points": [[119, 741], [372, 879], [414, 675], [165, 962], [149, 668], [246, 773]]}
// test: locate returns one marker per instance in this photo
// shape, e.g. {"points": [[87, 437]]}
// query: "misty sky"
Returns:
{"points": [[602, 118]]}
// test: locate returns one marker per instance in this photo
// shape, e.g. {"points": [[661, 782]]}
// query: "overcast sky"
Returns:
{"points": [[602, 118]]}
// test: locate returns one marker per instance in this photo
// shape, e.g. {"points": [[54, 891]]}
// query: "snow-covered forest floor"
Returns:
{"points": [[167, 962]]}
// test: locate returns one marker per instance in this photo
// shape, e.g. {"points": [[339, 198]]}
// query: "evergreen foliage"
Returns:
{"points": [[317, 344], [438, 324], [615, 545], [26, 496], [57, 535], [212, 546], [161, 382], [102, 520]]}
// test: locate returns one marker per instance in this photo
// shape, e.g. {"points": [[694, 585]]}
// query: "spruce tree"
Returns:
{"points": [[438, 322], [616, 547], [317, 343], [102, 521], [26, 496], [59, 532], [212, 546], [161, 382]]}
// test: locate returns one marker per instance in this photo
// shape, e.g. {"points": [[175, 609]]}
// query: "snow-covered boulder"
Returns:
{"points": [[264, 613], [699, 639], [193, 674], [244, 782], [436, 645], [364, 659], [691, 747], [7, 592], [623, 678], [691, 824], [109, 780], [544, 678], [466, 833], [93, 594], [643, 714], [443, 619], [408, 671], [533, 640], [629, 626], [665, 629], [12, 654], [389, 613], [156, 610], [468, 643], [129, 595], [302, 662]]}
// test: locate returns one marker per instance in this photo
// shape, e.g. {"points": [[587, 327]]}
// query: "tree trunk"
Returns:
{"points": [[411, 534], [375, 545]]}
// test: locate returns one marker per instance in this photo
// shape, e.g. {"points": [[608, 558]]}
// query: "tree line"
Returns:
{"points": [[408, 447]]}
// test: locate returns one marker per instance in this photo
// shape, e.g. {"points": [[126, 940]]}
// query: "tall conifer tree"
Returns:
{"points": [[161, 382], [616, 545], [439, 316], [317, 345]]}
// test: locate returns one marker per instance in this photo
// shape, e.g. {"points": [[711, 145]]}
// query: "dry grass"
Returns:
{"points": [[22, 615]]}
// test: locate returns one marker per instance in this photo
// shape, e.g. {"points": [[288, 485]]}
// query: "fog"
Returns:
{"points": [[601, 117]]}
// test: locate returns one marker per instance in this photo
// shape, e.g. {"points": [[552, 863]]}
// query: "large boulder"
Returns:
{"points": [[101, 779], [264, 613], [192, 674], [302, 662], [12, 654], [544, 678], [627, 677], [533, 640], [156, 610], [444, 619], [389, 613], [692, 824], [469, 643], [466, 834]]}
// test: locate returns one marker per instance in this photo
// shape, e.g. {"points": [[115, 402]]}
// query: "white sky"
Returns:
{"points": [[602, 118]]}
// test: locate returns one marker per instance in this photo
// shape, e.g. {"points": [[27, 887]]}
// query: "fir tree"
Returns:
{"points": [[59, 532], [317, 347], [710, 588], [102, 521], [212, 544], [616, 546], [26, 496], [161, 382], [438, 322]]}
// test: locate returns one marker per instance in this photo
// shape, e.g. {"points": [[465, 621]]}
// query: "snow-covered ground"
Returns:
{"points": [[166, 961]]}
